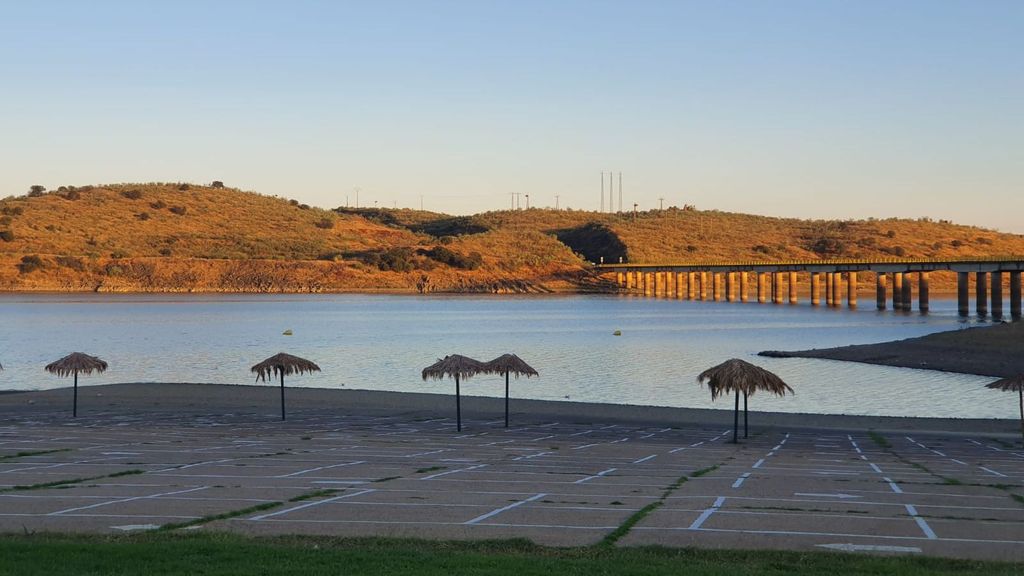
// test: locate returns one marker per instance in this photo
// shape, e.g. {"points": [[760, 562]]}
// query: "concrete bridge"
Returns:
{"points": [[778, 281]]}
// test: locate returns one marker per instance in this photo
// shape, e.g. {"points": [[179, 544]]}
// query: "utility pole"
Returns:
{"points": [[421, 202], [602, 191], [357, 198], [527, 201], [556, 201], [634, 211], [661, 203], [611, 192], [620, 191]]}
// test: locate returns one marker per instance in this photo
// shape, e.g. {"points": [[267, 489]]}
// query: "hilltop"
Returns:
{"points": [[187, 237]]}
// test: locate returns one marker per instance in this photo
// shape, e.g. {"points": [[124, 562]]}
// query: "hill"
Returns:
{"points": [[186, 237]]}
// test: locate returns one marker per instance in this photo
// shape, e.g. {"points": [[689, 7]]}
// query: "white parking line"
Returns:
{"points": [[301, 472], [310, 504], [645, 459], [132, 499], [504, 508], [707, 513], [893, 485], [920, 522], [740, 480], [598, 475], [993, 472], [432, 476]]}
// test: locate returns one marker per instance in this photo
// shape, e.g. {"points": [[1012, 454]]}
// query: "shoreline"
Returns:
{"points": [[193, 400], [995, 351]]}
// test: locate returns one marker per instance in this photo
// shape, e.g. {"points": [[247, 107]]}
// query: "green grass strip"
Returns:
{"points": [[244, 511], [314, 494], [624, 528], [704, 471], [222, 516], [33, 453], [880, 440], [222, 554], [69, 482]]}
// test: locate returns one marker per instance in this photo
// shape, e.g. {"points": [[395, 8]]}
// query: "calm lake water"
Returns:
{"points": [[382, 343]]}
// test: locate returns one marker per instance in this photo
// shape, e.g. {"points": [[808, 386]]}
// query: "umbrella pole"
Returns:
{"points": [[458, 405], [736, 420], [282, 394], [74, 405], [506, 400], [745, 415]]}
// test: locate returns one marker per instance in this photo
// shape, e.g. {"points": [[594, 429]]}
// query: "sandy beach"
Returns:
{"points": [[996, 351], [192, 400]]}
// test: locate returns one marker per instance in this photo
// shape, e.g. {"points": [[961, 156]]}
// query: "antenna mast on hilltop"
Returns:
{"points": [[620, 191], [611, 192]]}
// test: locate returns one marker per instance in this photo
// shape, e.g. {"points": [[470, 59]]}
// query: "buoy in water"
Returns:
{"points": [[287, 333], [617, 333]]}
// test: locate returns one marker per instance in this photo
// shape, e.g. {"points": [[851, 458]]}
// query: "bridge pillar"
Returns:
{"points": [[828, 288], [777, 287], [716, 290], [703, 285], [837, 288], [743, 287], [851, 289], [997, 295], [897, 291], [657, 284], [907, 299], [880, 296], [681, 285], [730, 279], [691, 285], [620, 279], [963, 294], [792, 288], [1015, 295], [762, 290], [922, 292], [981, 293], [815, 289]]}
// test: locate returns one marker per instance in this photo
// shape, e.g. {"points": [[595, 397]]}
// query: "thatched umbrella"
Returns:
{"points": [[458, 367], [73, 364], [740, 377], [509, 364], [1014, 384], [281, 364]]}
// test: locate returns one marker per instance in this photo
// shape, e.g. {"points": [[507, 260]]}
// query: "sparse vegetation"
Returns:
{"points": [[224, 239]]}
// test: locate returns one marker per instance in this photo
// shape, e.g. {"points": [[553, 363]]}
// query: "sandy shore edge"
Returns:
{"points": [[995, 351], [189, 400]]}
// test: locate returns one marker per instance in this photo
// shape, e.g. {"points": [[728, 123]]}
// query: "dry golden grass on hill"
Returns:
{"points": [[178, 237]]}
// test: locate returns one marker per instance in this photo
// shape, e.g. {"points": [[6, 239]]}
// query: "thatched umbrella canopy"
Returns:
{"points": [[458, 367], [509, 364], [281, 364], [1014, 384], [72, 364], [740, 377]]}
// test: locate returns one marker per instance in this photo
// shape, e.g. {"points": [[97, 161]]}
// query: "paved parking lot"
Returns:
{"points": [[559, 483]]}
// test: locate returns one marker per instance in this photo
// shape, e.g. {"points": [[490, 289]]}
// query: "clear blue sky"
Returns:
{"points": [[792, 108]]}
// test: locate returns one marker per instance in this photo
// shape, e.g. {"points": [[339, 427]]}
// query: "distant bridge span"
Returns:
{"points": [[716, 280]]}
